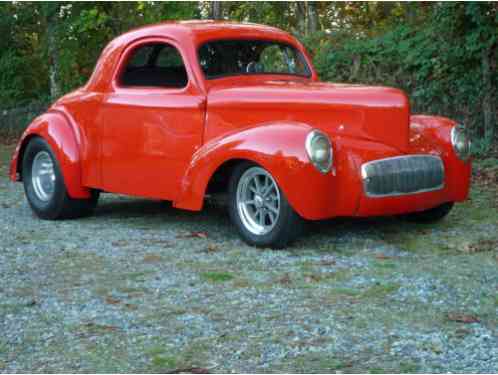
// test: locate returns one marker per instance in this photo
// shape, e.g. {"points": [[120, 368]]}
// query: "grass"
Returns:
{"points": [[315, 363], [139, 276], [164, 358], [163, 362], [407, 367], [379, 290], [217, 276]]}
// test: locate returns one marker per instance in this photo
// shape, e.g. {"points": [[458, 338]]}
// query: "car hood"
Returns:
{"points": [[370, 112]]}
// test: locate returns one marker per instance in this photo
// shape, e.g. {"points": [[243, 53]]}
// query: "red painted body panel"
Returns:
{"points": [[62, 137], [168, 143]]}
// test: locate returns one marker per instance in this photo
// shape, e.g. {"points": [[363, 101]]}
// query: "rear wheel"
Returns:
{"points": [[44, 185], [431, 215], [260, 210]]}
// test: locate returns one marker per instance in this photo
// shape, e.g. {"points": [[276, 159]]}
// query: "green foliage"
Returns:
{"points": [[444, 55], [447, 64]]}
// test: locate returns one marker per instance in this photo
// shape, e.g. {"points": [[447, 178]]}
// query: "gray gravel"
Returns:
{"points": [[142, 287]]}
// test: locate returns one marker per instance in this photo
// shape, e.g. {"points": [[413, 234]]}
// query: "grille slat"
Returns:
{"points": [[401, 175]]}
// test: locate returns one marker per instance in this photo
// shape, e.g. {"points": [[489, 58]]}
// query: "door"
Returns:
{"points": [[152, 123]]}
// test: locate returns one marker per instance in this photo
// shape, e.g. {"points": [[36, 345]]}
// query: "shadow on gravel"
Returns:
{"points": [[154, 215], [215, 216]]}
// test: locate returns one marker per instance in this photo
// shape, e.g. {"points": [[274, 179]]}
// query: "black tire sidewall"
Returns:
{"points": [[51, 208], [432, 215]]}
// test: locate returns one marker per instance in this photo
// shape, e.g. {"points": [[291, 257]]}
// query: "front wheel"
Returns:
{"points": [[44, 185], [431, 215], [260, 210]]}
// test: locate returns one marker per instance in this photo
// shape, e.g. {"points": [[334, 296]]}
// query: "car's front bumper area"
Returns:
{"points": [[402, 184], [417, 189], [426, 176]]}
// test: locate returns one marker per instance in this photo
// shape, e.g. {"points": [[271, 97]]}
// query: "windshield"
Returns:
{"points": [[242, 57]]}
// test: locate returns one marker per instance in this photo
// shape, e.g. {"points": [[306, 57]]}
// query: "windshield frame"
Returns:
{"points": [[300, 54]]}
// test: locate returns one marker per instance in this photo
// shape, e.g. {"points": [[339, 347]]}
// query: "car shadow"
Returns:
{"points": [[141, 213]]}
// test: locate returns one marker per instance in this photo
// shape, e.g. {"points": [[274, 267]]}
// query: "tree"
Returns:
{"points": [[312, 18], [50, 11], [216, 10]]}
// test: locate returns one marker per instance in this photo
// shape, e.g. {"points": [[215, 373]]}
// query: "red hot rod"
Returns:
{"points": [[178, 111]]}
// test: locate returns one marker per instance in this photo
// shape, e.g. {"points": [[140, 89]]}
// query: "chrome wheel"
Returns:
{"points": [[43, 176], [258, 201]]}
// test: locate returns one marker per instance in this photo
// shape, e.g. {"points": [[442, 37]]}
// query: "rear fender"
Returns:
{"points": [[56, 129]]}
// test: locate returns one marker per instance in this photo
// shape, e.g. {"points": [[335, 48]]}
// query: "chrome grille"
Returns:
{"points": [[402, 175]]}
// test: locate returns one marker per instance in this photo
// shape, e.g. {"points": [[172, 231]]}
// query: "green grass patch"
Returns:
{"points": [[407, 368], [379, 290], [138, 276], [217, 276], [349, 292], [315, 363], [377, 370], [165, 358], [164, 362]]}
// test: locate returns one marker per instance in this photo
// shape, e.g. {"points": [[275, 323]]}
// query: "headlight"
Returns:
{"points": [[319, 150], [460, 142]]}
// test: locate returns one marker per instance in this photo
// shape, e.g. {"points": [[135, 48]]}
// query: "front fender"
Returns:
{"points": [[432, 135], [277, 147], [56, 129]]}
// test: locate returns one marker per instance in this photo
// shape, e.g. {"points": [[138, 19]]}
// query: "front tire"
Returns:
{"points": [[432, 215], [44, 185], [259, 209]]}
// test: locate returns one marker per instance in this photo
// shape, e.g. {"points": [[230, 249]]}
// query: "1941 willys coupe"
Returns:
{"points": [[178, 111]]}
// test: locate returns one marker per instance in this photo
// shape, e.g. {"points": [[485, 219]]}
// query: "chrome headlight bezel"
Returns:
{"points": [[323, 163], [460, 142]]}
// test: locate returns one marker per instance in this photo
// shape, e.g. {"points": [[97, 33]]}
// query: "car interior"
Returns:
{"points": [[155, 65]]}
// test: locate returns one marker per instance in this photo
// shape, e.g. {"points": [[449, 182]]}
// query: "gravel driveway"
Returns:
{"points": [[142, 287]]}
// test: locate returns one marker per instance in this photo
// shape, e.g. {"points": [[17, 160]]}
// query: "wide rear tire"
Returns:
{"points": [[259, 209], [44, 185]]}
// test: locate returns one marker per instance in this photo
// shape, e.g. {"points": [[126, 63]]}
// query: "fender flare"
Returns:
{"points": [[277, 147], [435, 137], [56, 128]]}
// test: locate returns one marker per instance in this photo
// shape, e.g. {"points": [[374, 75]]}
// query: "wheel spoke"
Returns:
{"points": [[269, 190], [261, 219], [272, 208], [257, 183], [266, 186], [272, 216]]}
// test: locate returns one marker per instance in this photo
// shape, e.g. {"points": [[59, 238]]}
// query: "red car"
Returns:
{"points": [[179, 111]]}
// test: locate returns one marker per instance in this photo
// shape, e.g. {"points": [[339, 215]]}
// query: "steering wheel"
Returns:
{"points": [[254, 67]]}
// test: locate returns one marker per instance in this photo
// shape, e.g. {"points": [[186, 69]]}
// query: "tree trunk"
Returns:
{"points": [[301, 17], [312, 18], [488, 109], [216, 10], [51, 16]]}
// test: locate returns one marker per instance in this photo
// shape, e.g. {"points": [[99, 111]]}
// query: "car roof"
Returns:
{"points": [[196, 31], [206, 29]]}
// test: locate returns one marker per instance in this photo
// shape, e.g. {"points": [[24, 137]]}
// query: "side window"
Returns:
{"points": [[169, 57], [154, 65], [140, 57]]}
